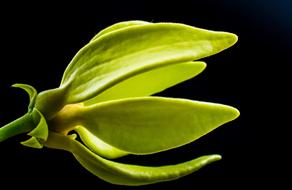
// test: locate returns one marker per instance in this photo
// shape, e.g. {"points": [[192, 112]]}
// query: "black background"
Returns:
{"points": [[39, 40]]}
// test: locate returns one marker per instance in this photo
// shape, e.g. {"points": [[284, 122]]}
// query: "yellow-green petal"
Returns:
{"points": [[124, 53], [147, 125], [41, 131], [32, 142], [31, 91], [119, 26], [98, 146], [125, 174], [150, 82]]}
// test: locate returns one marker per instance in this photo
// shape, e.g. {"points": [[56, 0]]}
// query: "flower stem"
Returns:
{"points": [[21, 125]]}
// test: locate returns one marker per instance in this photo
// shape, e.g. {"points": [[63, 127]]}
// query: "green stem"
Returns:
{"points": [[21, 125]]}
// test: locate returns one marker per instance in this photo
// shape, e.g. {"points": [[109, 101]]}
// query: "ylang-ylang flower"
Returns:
{"points": [[107, 98]]}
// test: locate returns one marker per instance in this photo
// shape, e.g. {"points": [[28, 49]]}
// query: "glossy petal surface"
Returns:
{"points": [[152, 124], [124, 53]]}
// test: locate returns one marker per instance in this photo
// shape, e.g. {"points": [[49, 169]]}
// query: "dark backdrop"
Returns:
{"points": [[39, 40]]}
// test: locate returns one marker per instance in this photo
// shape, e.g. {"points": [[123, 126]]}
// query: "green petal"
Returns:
{"points": [[32, 143], [41, 131], [31, 92], [98, 146], [125, 174], [151, 124], [150, 82], [124, 53], [119, 26], [133, 175]]}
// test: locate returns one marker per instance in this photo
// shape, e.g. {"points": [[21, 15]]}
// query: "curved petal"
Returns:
{"points": [[150, 82], [125, 53], [31, 92], [40, 133], [125, 174], [119, 26], [32, 142], [148, 124], [98, 146]]}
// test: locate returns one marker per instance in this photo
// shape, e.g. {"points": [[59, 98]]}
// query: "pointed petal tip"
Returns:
{"points": [[19, 85], [202, 64], [233, 112], [233, 38], [215, 157], [236, 112], [208, 159], [32, 143], [228, 39], [199, 65], [15, 85]]}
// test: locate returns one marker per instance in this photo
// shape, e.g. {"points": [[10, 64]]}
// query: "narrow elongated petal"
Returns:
{"points": [[133, 175], [124, 53], [98, 146], [119, 26], [150, 124], [31, 92], [125, 174], [150, 82]]}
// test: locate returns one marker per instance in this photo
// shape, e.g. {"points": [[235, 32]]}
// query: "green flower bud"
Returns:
{"points": [[105, 98]]}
